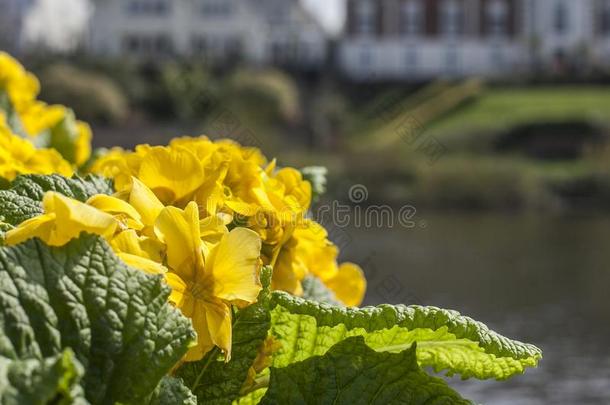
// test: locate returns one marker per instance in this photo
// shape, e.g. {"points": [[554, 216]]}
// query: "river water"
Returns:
{"points": [[543, 280]]}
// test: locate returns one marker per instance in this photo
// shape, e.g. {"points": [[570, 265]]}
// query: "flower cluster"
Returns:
{"points": [[205, 215], [208, 268], [240, 186], [36, 137]]}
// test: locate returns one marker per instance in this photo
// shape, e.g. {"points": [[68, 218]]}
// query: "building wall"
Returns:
{"points": [[259, 31], [12, 14], [452, 38], [426, 59], [536, 34]]}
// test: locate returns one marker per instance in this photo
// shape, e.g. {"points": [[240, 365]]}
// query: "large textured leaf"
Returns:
{"points": [[54, 380], [351, 373], [23, 199], [445, 339], [15, 208], [252, 398], [115, 319], [215, 382], [172, 391], [80, 188]]}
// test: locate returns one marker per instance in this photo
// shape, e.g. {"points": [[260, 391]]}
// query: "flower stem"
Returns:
{"points": [[211, 356]]}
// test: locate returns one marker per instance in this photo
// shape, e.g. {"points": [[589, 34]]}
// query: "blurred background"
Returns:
{"points": [[491, 118]]}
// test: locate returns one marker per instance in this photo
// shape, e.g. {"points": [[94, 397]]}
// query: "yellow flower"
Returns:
{"points": [[141, 252], [145, 202], [289, 193], [63, 219], [38, 117], [348, 284], [309, 252], [206, 281], [231, 183], [126, 214], [172, 174], [82, 146], [19, 156], [21, 86]]}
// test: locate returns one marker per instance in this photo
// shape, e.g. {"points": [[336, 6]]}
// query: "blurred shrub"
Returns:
{"points": [[263, 97], [469, 182], [330, 119], [93, 96], [190, 91]]}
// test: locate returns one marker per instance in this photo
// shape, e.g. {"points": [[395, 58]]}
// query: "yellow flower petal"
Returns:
{"points": [[172, 174], [37, 227], [178, 288], [204, 341], [180, 231], [218, 317], [141, 263], [127, 242], [288, 272], [74, 217], [115, 206], [64, 219], [82, 145], [212, 229], [234, 266], [145, 202], [349, 285]]}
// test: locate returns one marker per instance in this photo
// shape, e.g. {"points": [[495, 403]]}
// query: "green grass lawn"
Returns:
{"points": [[471, 173], [498, 109]]}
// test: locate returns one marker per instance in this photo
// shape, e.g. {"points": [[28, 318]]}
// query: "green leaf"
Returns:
{"points": [[81, 296], [63, 137], [353, 373], [252, 398], [53, 380], [215, 382], [172, 391], [315, 290], [80, 188], [445, 339], [22, 200], [14, 208]]}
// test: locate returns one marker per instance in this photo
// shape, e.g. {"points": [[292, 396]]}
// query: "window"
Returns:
{"points": [[221, 48], [451, 17], [604, 18], [216, 8], [148, 7], [365, 17], [159, 44], [560, 18], [497, 17], [412, 17]]}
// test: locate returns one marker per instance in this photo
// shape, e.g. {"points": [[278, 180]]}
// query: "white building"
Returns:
{"points": [[259, 31], [422, 39], [12, 16]]}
